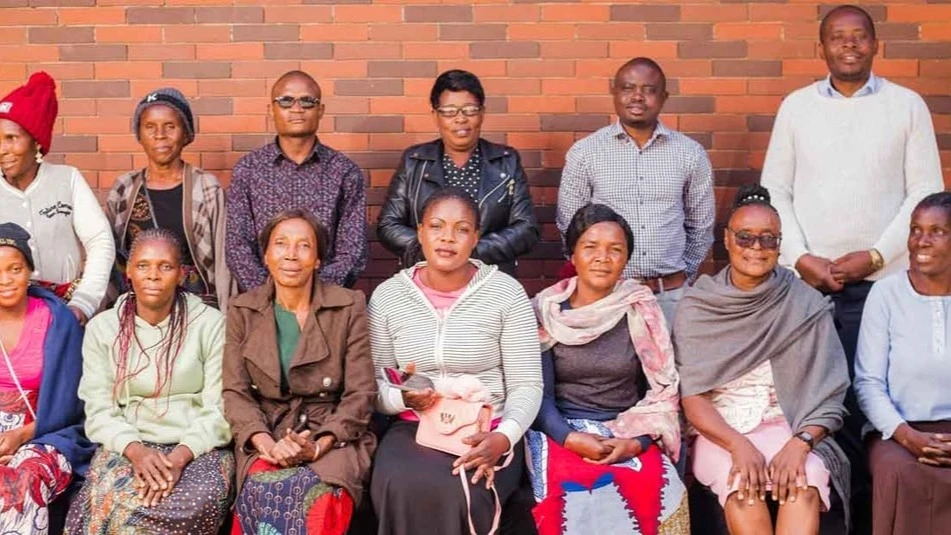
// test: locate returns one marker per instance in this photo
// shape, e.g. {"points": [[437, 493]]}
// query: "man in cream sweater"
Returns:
{"points": [[849, 157]]}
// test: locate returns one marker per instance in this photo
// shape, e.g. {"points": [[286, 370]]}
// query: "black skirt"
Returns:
{"points": [[414, 491]]}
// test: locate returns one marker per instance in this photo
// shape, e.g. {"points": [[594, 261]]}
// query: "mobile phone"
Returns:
{"points": [[401, 380]]}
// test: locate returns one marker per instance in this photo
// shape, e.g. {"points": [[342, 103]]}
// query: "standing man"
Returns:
{"points": [[849, 157], [297, 171], [659, 180]]}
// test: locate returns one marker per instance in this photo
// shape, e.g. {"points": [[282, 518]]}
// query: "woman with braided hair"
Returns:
{"points": [[152, 387]]}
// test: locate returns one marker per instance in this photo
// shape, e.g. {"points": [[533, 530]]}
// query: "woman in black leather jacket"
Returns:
{"points": [[491, 173]]}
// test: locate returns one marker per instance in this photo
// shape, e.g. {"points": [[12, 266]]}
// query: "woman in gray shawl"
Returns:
{"points": [[763, 379]]}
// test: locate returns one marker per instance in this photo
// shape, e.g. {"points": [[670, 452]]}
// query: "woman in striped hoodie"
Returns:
{"points": [[446, 318]]}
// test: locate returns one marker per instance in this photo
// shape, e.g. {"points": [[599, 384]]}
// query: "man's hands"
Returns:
{"points": [[832, 275]]}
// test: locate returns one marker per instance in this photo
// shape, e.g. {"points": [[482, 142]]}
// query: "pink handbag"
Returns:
{"points": [[443, 426]]}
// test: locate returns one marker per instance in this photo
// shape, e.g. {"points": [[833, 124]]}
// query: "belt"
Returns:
{"points": [[666, 282]]}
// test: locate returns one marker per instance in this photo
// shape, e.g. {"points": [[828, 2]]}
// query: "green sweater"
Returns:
{"points": [[189, 409]]}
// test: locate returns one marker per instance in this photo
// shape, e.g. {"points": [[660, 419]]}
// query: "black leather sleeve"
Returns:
{"points": [[521, 233]]}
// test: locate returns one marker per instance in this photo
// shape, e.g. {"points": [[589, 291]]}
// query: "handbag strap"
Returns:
{"points": [[498, 502], [16, 380]]}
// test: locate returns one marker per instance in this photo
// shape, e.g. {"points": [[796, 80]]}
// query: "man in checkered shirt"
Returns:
{"points": [[658, 179]]}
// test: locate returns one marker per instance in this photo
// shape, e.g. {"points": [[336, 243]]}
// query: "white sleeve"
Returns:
{"points": [[92, 229]]}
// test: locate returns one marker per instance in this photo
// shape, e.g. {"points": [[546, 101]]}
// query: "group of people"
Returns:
{"points": [[192, 356]]}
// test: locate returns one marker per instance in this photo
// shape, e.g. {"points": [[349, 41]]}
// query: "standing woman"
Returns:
{"points": [[609, 426], [42, 446], [172, 194], [298, 389], [152, 387], [445, 318], [52, 202], [489, 173], [902, 373], [763, 380]]}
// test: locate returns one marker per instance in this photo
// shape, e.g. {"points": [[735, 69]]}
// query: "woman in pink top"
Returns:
{"points": [[42, 446]]}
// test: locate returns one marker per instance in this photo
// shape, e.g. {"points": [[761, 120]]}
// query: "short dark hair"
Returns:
{"points": [[590, 215], [843, 9], [456, 80], [941, 200], [646, 62], [323, 237], [456, 194]]}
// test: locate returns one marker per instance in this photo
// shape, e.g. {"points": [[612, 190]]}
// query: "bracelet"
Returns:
{"points": [[316, 451], [877, 261]]}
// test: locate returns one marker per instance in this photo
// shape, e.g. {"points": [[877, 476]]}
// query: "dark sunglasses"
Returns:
{"points": [[747, 240], [451, 111], [306, 102]]}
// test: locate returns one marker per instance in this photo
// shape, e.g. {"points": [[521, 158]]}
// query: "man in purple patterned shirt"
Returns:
{"points": [[297, 171]]}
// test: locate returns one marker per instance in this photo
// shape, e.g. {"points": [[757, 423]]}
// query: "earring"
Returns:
{"points": [[39, 157]]}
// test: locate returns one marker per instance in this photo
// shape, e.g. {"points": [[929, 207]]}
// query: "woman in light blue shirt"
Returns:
{"points": [[903, 380]]}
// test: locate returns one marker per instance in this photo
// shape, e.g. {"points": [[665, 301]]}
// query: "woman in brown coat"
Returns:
{"points": [[298, 390]]}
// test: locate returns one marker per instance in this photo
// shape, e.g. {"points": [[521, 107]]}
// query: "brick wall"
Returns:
{"points": [[546, 67]]}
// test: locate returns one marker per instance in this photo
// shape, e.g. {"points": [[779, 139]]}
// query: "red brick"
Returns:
{"points": [[782, 13], [511, 123], [403, 32], [224, 51], [594, 103], [512, 86], [208, 124], [91, 15], [328, 33], [896, 67], [680, 31], [435, 50], [298, 50], [204, 69], [368, 124], [918, 13], [711, 49], [501, 49], [97, 125], [657, 50], [164, 52], [138, 70], [936, 31], [576, 13], [917, 50], [232, 88], [437, 13], [472, 32], [160, 15], [208, 34], [614, 31], [308, 14], [366, 51], [72, 35], [92, 52], [13, 36], [549, 104], [540, 68], [711, 86], [398, 105], [127, 34], [88, 89], [262, 68], [646, 13], [748, 30], [212, 106], [27, 17], [219, 15], [265, 32], [574, 86], [62, 70], [336, 68], [376, 13], [480, 67], [747, 104], [506, 13], [541, 32], [401, 69], [730, 67], [369, 87], [574, 49]]}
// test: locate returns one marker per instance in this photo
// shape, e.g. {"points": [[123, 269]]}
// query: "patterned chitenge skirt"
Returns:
{"points": [[641, 496], [108, 502], [276, 501]]}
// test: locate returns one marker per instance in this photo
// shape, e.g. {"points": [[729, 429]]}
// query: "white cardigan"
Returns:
{"points": [[63, 215], [490, 332]]}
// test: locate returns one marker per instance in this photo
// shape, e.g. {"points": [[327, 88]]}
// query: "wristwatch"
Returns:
{"points": [[806, 437], [878, 262]]}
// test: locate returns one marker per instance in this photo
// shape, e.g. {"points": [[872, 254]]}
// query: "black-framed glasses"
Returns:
{"points": [[306, 102], [469, 110], [747, 240]]}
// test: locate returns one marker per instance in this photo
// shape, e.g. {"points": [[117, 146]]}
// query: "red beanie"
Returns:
{"points": [[33, 106]]}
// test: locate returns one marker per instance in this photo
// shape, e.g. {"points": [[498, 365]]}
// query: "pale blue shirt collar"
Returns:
{"points": [[871, 87]]}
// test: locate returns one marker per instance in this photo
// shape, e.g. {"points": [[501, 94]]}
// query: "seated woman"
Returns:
{"points": [[452, 317], [71, 244], [610, 392], [42, 446], [298, 389], [902, 377], [489, 173], [152, 387], [763, 380], [171, 193]]}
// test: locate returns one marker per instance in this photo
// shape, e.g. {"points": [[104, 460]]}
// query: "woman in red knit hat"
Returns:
{"points": [[52, 202]]}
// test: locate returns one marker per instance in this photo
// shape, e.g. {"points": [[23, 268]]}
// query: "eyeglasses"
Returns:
{"points": [[449, 112], [306, 102], [747, 240]]}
